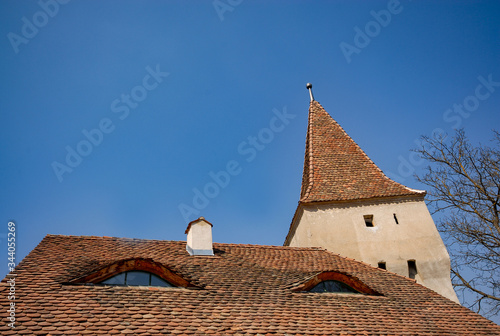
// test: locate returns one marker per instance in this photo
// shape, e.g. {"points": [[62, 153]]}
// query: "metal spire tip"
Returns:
{"points": [[309, 87]]}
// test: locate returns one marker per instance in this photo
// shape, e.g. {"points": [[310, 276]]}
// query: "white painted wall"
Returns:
{"points": [[199, 238], [340, 228]]}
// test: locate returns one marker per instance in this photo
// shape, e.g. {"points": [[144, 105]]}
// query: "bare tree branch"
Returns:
{"points": [[464, 186]]}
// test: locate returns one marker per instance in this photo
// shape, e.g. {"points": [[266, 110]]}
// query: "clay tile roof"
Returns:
{"points": [[337, 169], [242, 290]]}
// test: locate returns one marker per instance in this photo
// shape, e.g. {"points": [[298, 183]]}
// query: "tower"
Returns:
{"points": [[348, 206]]}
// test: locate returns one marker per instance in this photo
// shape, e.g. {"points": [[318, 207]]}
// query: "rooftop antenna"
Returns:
{"points": [[309, 87]]}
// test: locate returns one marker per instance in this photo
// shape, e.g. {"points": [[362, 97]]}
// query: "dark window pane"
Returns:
{"points": [[137, 278], [332, 286], [157, 281], [412, 269], [118, 279]]}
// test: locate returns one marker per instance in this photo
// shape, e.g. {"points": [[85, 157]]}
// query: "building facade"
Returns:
{"points": [[350, 207]]}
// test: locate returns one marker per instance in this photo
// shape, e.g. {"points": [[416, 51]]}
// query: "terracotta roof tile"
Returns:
{"points": [[337, 169], [245, 290]]}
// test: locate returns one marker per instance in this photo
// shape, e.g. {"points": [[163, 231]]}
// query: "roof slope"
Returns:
{"points": [[337, 169], [245, 290]]}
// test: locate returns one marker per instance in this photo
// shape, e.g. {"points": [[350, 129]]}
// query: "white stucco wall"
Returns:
{"points": [[199, 239], [341, 229]]}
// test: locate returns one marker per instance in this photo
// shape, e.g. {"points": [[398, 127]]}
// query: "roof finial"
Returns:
{"points": [[309, 87]]}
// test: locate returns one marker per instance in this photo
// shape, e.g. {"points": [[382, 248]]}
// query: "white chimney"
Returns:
{"points": [[199, 237]]}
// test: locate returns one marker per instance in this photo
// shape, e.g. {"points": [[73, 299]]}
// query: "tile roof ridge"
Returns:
{"points": [[366, 199], [274, 247], [308, 158], [111, 238], [259, 246]]}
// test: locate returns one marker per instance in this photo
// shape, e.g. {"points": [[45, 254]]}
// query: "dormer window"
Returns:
{"points": [[137, 278], [332, 286], [334, 282], [135, 272]]}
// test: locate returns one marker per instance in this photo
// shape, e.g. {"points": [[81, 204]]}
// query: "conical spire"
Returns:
{"points": [[337, 169]]}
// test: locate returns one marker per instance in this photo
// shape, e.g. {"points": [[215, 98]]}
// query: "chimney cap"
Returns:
{"points": [[196, 221]]}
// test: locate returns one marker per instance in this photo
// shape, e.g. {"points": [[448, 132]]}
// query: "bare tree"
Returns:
{"points": [[464, 183]]}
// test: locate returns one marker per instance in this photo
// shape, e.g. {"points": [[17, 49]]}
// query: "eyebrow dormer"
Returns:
{"points": [[334, 282], [138, 271]]}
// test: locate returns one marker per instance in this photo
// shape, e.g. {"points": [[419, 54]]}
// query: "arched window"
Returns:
{"points": [[334, 282], [332, 286], [137, 278], [135, 272]]}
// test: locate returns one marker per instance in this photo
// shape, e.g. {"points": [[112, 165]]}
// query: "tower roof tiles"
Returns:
{"points": [[337, 169]]}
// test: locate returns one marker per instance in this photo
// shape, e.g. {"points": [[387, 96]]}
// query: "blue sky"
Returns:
{"points": [[155, 98]]}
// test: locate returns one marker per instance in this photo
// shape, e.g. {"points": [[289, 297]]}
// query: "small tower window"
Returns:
{"points": [[412, 269], [382, 265], [396, 219], [368, 220]]}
